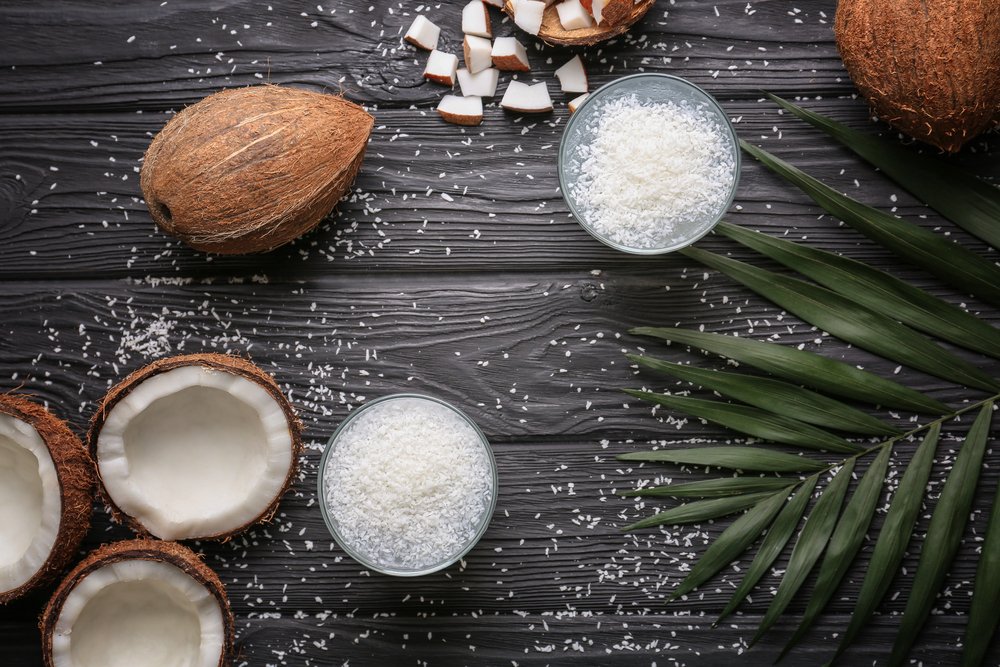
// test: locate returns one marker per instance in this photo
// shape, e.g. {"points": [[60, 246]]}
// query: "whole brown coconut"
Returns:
{"points": [[163, 450], [250, 169], [130, 640], [75, 472], [929, 69]]}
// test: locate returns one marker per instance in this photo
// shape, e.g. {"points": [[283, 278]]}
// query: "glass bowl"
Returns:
{"points": [[647, 88], [448, 559]]}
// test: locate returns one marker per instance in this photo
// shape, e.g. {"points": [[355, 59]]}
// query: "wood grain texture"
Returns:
{"points": [[491, 298]]}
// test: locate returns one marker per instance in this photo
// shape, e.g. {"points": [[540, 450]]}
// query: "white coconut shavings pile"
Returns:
{"points": [[408, 483], [653, 171]]}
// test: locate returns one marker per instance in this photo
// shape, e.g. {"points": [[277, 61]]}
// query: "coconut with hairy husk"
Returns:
{"points": [[140, 603], [250, 169], [195, 446], [46, 496], [929, 69]]}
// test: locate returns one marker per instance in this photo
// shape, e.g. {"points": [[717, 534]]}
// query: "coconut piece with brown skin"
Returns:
{"points": [[552, 31], [929, 69], [250, 169], [46, 496], [198, 446], [139, 602]]}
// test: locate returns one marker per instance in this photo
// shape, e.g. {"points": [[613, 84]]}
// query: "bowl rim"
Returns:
{"points": [[487, 516], [604, 91]]}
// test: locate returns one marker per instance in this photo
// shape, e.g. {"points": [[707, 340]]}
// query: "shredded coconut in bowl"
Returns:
{"points": [[654, 173], [407, 483]]}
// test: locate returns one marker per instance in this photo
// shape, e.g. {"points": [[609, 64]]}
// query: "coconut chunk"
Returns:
{"points": [[478, 53], [461, 110], [441, 68], [573, 15], [193, 447], [481, 84], [611, 12], [495, 3], [46, 489], [523, 98], [139, 602], [528, 15], [476, 19], [423, 34], [575, 103], [510, 55], [573, 76]]}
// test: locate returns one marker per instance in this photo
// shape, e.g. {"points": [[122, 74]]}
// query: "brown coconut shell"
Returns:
{"points": [[620, 19], [250, 169], [224, 363], [929, 69], [75, 472], [151, 550]]}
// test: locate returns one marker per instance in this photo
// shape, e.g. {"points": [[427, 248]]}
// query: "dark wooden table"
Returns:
{"points": [[453, 268]]}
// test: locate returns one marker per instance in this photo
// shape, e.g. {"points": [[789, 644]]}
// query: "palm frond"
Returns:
{"points": [[950, 190], [983, 616]]}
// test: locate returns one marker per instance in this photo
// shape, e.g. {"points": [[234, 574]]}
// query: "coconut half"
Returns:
{"points": [[46, 496], [140, 602], [196, 446]]}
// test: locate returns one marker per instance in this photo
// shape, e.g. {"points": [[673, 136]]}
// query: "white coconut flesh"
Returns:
{"points": [[30, 503], [138, 612], [194, 452]]}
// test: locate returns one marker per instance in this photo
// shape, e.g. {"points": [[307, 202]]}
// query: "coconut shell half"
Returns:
{"points": [[552, 31], [250, 169], [139, 574], [198, 446], [929, 69], [74, 472]]}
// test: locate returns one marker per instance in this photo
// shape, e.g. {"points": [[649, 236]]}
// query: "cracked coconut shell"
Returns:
{"points": [[619, 21], [930, 70], [75, 472], [250, 169]]}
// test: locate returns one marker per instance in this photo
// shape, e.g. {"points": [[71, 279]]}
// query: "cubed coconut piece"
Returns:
{"points": [[423, 34], [461, 110], [575, 103], [476, 19], [509, 55], [573, 15], [478, 53], [480, 84], [528, 15], [611, 12], [523, 98], [572, 76], [441, 68]]}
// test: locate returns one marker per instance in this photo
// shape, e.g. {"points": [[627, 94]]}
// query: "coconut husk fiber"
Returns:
{"points": [[250, 169], [929, 69], [225, 363], [618, 20], [75, 472], [151, 550]]}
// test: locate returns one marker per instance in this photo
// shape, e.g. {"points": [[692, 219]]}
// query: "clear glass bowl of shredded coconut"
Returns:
{"points": [[407, 485], [649, 163]]}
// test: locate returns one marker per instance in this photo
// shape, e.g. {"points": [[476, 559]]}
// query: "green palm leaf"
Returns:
{"points": [[944, 534], [772, 546], [848, 321], [700, 510], [844, 543], [954, 193], [808, 368], [876, 290], [893, 536], [809, 546], [713, 488], [947, 260], [776, 396], [734, 458], [983, 616], [732, 542], [751, 421]]}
